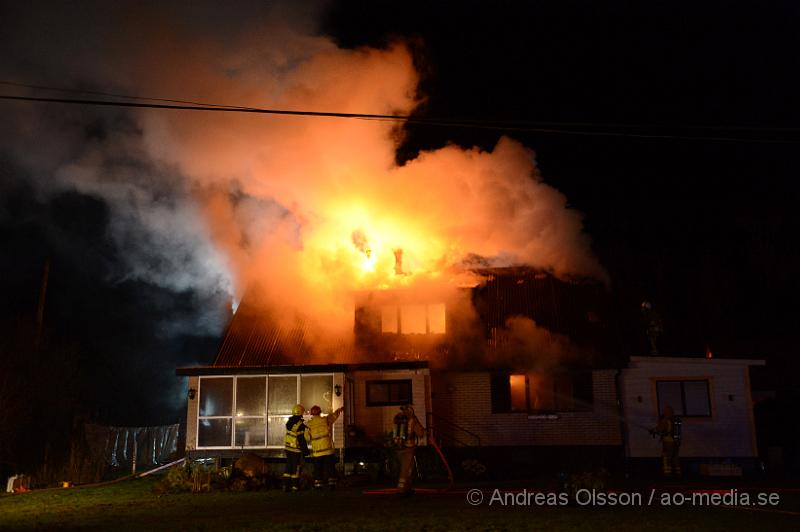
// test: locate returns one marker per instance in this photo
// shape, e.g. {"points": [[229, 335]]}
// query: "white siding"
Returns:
{"points": [[338, 426], [376, 421], [729, 432], [191, 415]]}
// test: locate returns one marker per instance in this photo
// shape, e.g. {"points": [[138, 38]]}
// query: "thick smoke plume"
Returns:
{"points": [[309, 209]]}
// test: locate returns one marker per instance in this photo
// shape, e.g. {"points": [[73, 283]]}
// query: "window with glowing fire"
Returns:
{"points": [[413, 319], [540, 392]]}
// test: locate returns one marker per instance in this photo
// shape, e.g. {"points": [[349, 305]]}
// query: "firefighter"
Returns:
{"points": [[669, 430], [295, 446], [406, 434], [653, 326], [319, 433]]}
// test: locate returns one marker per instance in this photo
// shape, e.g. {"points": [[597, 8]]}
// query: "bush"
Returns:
{"points": [[177, 480], [473, 468], [590, 480]]}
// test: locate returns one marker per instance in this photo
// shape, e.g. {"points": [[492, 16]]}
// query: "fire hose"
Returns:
{"points": [[432, 443]]}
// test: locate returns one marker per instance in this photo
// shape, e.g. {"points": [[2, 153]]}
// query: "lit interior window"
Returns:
{"points": [[519, 397], [413, 319], [389, 319], [436, 319]]}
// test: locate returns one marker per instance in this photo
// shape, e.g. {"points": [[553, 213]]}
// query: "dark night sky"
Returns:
{"points": [[704, 229]]}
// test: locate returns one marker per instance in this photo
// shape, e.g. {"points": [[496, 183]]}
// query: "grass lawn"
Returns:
{"points": [[132, 505]]}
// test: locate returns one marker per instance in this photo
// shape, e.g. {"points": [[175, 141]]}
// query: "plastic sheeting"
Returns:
{"points": [[153, 446]]}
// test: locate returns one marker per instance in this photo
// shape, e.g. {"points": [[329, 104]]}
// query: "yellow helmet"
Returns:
{"points": [[298, 410]]}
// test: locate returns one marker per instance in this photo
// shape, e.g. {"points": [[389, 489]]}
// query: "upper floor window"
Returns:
{"points": [[413, 319]]}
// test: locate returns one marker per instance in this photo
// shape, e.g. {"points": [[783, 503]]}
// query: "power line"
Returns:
{"points": [[517, 123], [554, 128], [116, 95]]}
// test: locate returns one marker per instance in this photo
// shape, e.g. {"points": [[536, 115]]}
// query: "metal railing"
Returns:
{"points": [[446, 432]]}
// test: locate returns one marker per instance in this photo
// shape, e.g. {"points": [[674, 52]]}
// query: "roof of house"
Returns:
{"points": [[574, 308], [301, 368], [255, 339], [655, 360]]}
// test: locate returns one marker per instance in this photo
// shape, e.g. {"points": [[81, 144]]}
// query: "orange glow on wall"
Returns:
{"points": [[519, 395], [436, 319]]}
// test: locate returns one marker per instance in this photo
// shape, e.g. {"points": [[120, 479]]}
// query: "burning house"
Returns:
{"points": [[519, 360], [447, 280]]}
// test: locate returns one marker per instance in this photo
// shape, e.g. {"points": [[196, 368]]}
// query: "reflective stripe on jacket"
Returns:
{"points": [[294, 434], [320, 435]]}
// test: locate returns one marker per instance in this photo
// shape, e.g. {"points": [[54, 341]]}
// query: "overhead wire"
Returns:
{"points": [[552, 128]]}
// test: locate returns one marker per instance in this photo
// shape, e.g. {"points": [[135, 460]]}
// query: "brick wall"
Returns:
{"points": [[465, 399]]}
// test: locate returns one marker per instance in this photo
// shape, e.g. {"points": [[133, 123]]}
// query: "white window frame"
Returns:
{"points": [[399, 323], [267, 416], [682, 381]]}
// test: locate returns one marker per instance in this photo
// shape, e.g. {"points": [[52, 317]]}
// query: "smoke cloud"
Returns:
{"points": [[308, 209]]}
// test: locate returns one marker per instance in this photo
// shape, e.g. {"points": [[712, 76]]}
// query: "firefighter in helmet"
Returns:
{"points": [[295, 446], [406, 434], [319, 434], [669, 430], [653, 326]]}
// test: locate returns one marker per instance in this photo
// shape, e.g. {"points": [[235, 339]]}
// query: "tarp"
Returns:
{"points": [[154, 446]]}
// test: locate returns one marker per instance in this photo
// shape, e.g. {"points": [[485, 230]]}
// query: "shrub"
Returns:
{"points": [[177, 479], [473, 468]]}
